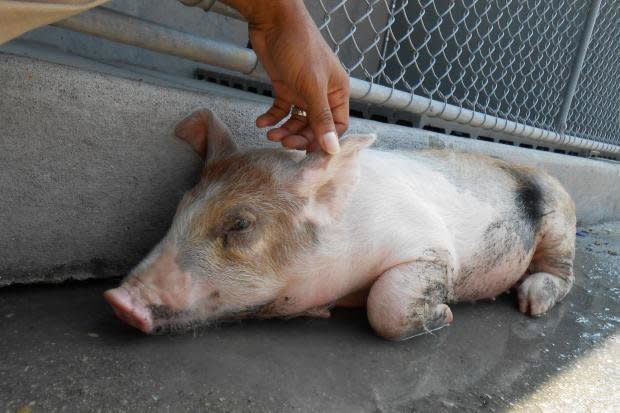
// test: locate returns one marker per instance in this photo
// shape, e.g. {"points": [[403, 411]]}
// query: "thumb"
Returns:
{"points": [[322, 123]]}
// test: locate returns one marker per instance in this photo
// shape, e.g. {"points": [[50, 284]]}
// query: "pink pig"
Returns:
{"points": [[270, 232]]}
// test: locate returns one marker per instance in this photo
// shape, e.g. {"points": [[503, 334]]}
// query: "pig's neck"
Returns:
{"points": [[366, 240], [337, 268]]}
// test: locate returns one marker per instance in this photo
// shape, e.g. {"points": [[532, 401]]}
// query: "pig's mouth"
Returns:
{"points": [[168, 321], [161, 319], [150, 319]]}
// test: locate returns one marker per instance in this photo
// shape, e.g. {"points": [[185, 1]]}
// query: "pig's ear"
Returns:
{"points": [[210, 138], [328, 181]]}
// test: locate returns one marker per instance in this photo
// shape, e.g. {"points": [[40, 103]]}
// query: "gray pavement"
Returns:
{"points": [[62, 350]]}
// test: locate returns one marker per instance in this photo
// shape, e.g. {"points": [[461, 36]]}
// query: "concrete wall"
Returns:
{"points": [[90, 172]]}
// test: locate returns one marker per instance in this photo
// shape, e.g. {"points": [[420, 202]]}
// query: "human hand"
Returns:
{"points": [[304, 71]]}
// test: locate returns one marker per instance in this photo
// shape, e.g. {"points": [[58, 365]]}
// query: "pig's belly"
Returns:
{"points": [[482, 276], [487, 276], [474, 281]]}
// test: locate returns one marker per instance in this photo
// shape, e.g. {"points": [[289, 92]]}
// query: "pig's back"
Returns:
{"points": [[463, 185]]}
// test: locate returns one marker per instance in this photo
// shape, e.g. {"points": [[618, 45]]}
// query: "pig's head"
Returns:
{"points": [[237, 231]]}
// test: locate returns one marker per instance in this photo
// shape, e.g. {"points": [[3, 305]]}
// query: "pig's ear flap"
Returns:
{"points": [[209, 137], [328, 181]]}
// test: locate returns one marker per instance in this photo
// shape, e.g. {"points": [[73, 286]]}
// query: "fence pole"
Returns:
{"points": [[122, 28], [580, 56]]}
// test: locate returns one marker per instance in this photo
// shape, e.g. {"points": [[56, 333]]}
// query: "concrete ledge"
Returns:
{"points": [[90, 172]]}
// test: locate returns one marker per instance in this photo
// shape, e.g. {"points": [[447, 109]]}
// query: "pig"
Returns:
{"points": [[279, 233]]}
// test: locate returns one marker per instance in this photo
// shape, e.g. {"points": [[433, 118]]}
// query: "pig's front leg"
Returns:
{"points": [[409, 299]]}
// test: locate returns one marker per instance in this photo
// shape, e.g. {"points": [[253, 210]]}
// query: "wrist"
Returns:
{"points": [[266, 12]]}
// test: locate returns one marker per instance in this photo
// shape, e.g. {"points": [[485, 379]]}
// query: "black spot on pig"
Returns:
{"points": [[529, 202]]}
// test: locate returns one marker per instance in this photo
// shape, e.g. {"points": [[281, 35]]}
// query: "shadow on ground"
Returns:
{"points": [[61, 348]]}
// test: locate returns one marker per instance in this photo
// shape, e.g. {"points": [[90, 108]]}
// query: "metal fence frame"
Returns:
{"points": [[134, 31]]}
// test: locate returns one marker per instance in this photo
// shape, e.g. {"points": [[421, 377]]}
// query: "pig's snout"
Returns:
{"points": [[129, 310]]}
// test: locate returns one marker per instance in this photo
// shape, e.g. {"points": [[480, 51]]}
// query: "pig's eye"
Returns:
{"points": [[238, 231], [240, 224]]}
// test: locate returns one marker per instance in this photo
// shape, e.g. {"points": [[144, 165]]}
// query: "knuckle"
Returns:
{"points": [[279, 107], [323, 116], [339, 94], [342, 77]]}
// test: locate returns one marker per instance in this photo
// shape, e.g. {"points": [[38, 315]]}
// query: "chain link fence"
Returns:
{"points": [[512, 60], [544, 73], [595, 112]]}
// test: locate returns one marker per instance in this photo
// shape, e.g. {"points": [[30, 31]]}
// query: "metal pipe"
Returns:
{"points": [[580, 56], [134, 31], [403, 101], [137, 32]]}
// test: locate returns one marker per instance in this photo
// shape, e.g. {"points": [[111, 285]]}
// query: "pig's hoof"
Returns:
{"points": [[434, 318], [422, 319], [538, 293]]}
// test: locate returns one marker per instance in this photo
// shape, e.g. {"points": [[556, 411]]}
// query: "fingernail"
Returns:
{"points": [[330, 140]]}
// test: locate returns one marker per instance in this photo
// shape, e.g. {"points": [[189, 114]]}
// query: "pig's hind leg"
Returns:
{"points": [[409, 299], [551, 270]]}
